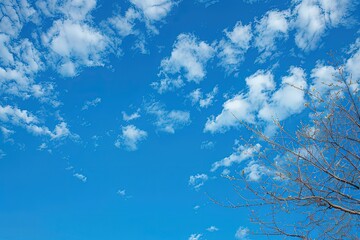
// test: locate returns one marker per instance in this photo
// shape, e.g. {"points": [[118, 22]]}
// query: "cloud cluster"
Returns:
{"points": [[262, 103], [197, 97]]}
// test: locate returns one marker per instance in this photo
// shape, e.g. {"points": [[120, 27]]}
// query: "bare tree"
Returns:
{"points": [[310, 186]]}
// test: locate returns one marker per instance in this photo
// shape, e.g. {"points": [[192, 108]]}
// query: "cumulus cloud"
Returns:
{"points": [[91, 103], [241, 153], [188, 60], [130, 137], [206, 101], [73, 45], [314, 17], [241, 107], [167, 121], [261, 103], [271, 28], [198, 180], [231, 50], [288, 99], [242, 233]]}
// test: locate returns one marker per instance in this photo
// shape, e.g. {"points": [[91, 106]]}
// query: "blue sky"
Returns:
{"points": [[117, 117]]}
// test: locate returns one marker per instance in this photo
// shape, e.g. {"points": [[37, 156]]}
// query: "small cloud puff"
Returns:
{"points": [[130, 137], [167, 121], [81, 177], [242, 233], [195, 236], [92, 103], [198, 180], [188, 60]]}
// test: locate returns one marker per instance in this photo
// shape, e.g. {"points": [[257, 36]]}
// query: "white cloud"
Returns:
{"points": [[130, 137], [198, 180], [272, 27], [233, 48], [92, 103], [212, 229], [195, 236], [314, 17], [125, 25], [74, 44], [154, 10], [241, 153], [188, 60], [14, 14], [288, 99], [207, 145], [323, 80], [27, 120], [197, 96], [132, 116], [6, 133], [261, 103], [242, 233], [167, 121], [80, 176], [77, 10], [353, 63], [242, 106], [254, 171]]}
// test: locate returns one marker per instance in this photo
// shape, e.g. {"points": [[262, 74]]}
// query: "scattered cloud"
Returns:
{"points": [[271, 28], [74, 44], [212, 229], [25, 119], [242, 233], [81, 177], [241, 153], [188, 60], [197, 97], [154, 10], [231, 50], [314, 17], [254, 171], [130, 137], [198, 180], [195, 236], [261, 103], [207, 145], [132, 116], [92, 103], [2, 154], [167, 121]]}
